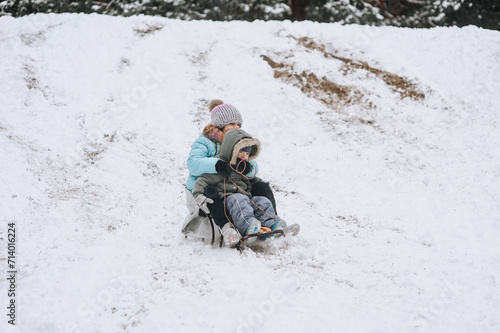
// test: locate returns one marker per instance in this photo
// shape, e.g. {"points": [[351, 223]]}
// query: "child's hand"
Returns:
{"points": [[202, 202], [222, 168]]}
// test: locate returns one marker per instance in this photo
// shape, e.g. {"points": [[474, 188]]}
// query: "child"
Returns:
{"points": [[247, 212], [202, 160]]}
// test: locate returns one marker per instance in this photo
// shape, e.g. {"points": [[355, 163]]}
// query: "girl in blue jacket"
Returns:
{"points": [[201, 157]]}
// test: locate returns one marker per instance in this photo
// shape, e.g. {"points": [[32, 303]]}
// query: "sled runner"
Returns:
{"points": [[260, 235]]}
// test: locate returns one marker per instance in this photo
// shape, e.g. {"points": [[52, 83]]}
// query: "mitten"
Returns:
{"points": [[202, 202], [222, 168]]}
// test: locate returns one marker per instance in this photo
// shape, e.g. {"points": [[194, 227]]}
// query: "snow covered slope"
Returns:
{"points": [[383, 143]]}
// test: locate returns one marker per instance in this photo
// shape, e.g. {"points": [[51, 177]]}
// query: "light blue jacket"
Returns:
{"points": [[202, 160]]}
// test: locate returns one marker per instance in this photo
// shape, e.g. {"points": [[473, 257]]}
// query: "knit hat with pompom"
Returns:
{"points": [[224, 114]]}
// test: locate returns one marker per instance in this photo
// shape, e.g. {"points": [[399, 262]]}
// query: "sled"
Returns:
{"points": [[260, 236], [200, 226]]}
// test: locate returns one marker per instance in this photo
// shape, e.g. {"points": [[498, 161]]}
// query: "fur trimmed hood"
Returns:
{"points": [[234, 141]]}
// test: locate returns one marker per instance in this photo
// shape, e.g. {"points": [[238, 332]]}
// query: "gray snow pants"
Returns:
{"points": [[243, 211]]}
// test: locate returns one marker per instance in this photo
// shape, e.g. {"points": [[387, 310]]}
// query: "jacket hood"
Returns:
{"points": [[235, 140]]}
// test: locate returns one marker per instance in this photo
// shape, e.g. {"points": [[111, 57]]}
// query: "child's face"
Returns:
{"points": [[244, 156], [230, 127]]}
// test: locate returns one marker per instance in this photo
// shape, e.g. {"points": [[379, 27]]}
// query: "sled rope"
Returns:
{"points": [[241, 173]]}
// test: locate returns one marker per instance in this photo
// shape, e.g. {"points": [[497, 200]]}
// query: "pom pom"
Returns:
{"points": [[214, 103]]}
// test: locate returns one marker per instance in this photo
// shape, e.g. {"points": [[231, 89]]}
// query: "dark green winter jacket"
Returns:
{"points": [[234, 141]]}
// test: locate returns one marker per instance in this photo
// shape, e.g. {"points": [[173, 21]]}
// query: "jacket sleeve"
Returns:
{"points": [[202, 182], [256, 180], [199, 186], [200, 160], [255, 169]]}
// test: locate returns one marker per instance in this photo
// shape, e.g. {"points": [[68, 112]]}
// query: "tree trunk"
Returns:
{"points": [[298, 10]]}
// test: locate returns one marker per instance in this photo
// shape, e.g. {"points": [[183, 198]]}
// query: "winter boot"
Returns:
{"points": [[278, 225], [253, 228], [292, 230], [230, 235]]}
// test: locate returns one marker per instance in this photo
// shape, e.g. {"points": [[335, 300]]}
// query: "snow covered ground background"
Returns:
{"points": [[396, 187]]}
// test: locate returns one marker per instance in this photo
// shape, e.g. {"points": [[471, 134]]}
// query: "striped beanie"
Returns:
{"points": [[224, 114]]}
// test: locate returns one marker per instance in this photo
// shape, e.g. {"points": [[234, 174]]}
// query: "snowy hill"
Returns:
{"points": [[382, 143]]}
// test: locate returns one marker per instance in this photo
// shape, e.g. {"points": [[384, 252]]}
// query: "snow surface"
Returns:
{"points": [[398, 198]]}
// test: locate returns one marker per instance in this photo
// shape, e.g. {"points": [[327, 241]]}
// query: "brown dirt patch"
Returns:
{"points": [[149, 29], [31, 80], [272, 63], [399, 84], [319, 88]]}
